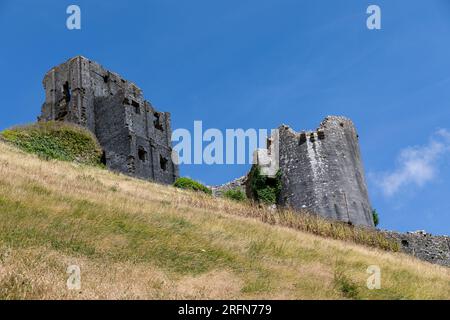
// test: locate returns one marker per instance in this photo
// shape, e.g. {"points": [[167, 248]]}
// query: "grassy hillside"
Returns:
{"points": [[135, 239]]}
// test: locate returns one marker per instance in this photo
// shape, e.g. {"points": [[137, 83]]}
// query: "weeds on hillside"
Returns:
{"points": [[235, 194], [302, 220], [343, 283]]}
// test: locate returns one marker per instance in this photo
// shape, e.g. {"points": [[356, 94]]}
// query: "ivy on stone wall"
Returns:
{"points": [[264, 189]]}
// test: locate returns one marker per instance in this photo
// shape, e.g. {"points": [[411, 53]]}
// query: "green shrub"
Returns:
{"points": [[264, 189], [235, 194], [346, 286], [189, 184], [376, 218], [56, 140]]}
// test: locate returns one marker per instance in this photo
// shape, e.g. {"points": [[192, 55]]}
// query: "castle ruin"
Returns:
{"points": [[135, 138], [322, 171]]}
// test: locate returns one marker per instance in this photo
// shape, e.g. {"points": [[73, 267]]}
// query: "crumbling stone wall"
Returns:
{"points": [[322, 170], [424, 246], [135, 137], [239, 183]]}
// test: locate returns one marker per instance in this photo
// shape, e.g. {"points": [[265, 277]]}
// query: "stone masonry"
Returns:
{"points": [[424, 246], [136, 138], [322, 171], [239, 183]]}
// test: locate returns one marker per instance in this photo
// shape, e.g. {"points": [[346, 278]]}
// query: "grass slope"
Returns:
{"points": [[135, 239], [56, 140]]}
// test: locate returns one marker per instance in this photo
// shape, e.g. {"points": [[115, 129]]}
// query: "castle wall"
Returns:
{"points": [[322, 171], [135, 137], [237, 184], [424, 246], [111, 132]]}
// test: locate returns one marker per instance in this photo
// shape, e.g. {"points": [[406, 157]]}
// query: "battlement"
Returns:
{"points": [[330, 123]]}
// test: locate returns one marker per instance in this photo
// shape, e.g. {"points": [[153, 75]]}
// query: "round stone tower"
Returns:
{"points": [[322, 171]]}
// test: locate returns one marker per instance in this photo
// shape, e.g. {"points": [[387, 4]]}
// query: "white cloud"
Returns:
{"points": [[416, 166]]}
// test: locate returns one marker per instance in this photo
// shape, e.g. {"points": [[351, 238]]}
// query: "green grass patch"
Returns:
{"points": [[56, 140], [235, 194], [344, 284], [189, 184], [169, 241]]}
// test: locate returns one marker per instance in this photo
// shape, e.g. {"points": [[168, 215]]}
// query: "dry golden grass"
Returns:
{"points": [[138, 240]]}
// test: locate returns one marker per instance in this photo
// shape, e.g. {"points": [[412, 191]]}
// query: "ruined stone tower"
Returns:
{"points": [[136, 138], [322, 170]]}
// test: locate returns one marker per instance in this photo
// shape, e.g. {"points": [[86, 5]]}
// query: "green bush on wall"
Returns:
{"points": [[264, 189], [376, 217], [189, 184]]}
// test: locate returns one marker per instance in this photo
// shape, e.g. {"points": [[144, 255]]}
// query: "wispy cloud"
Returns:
{"points": [[416, 165]]}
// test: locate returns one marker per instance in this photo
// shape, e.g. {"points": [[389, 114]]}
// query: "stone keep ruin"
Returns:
{"points": [[322, 171], [135, 137]]}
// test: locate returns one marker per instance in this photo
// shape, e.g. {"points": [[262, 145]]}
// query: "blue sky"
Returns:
{"points": [[258, 64]]}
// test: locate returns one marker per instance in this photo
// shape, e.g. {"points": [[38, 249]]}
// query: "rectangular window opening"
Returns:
{"points": [[157, 122], [163, 163], [67, 92], [142, 154], [137, 107]]}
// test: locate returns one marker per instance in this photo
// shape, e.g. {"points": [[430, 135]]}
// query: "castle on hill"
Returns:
{"points": [[321, 170]]}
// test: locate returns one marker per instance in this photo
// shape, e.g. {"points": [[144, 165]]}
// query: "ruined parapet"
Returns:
{"points": [[135, 137], [424, 246], [322, 171], [239, 183]]}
